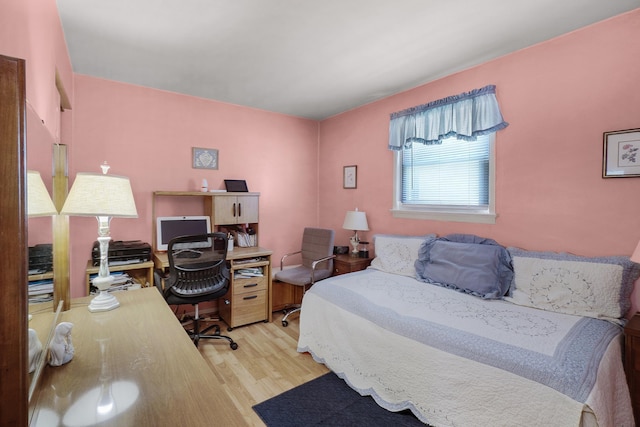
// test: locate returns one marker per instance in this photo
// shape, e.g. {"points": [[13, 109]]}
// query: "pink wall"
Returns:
{"points": [[147, 135], [559, 97], [31, 30]]}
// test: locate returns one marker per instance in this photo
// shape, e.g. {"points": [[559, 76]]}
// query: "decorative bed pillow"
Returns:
{"points": [[594, 287], [397, 254], [466, 263]]}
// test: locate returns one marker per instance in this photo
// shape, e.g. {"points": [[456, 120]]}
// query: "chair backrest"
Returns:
{"points": [[317, 243], [198, 265]]}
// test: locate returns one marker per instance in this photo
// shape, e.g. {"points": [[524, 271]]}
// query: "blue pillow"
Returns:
{"points": [[466, 263]]}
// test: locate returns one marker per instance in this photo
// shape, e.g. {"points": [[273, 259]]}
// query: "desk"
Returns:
{"points": [[137, 357], [248, 300]]}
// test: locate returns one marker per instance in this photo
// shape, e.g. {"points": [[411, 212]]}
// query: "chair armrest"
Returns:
{"points": [[286, 255], [315, 263]]}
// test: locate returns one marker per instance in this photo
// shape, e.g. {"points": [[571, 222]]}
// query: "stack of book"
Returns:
{"points": [[246, 273], [122, 281], [40, 291]]}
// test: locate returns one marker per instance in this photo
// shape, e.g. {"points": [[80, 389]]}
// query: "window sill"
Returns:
{"points": [[474, 217]]}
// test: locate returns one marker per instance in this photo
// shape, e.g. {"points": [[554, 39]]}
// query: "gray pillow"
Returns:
{"points": [[466, 263]]}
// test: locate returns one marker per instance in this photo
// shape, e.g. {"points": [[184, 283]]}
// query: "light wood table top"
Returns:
{"points": [[161, 259], [133, 366]]}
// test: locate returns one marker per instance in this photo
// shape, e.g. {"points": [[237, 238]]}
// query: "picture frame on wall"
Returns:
{"points": [[204, 158], [621, 154], [350, 176]]}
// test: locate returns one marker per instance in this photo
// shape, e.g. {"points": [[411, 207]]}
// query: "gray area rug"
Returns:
{"points": [[328, 401]]}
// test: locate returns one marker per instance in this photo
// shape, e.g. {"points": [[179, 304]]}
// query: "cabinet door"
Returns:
{"points": [[247, 209], [225, 210], [235, 209]]}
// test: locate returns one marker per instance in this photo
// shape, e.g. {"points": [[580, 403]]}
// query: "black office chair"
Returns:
{"points": [[198, 272], [317, 263]]}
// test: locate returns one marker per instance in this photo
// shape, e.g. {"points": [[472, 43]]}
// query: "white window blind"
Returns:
{"points": [[454, 173]]}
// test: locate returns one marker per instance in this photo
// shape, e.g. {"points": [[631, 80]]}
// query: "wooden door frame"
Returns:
{"points": [[14, 364]]}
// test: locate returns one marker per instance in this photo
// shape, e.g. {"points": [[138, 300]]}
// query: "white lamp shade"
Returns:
{"points": [[100, 195], [355, 220], [39, 202]]}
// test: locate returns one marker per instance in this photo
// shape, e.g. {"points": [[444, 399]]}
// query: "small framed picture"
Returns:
{"points": [[621, 154], [350, 177], [204, 158]]}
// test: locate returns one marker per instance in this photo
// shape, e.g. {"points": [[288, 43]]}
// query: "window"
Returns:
{"points": [[452, 181]]}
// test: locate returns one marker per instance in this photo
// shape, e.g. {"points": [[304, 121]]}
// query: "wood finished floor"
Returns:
{"points": [[265, 364]]}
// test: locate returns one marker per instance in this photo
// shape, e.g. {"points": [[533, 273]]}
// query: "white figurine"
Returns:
{"points": [[61, 348], [35, 347]]}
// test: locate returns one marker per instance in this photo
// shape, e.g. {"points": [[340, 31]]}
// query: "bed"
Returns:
{"points": [[538, 342]]}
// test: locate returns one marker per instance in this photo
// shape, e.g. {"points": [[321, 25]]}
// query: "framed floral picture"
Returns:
{"points": [[204, 158], [621, 154], [350, 176]]}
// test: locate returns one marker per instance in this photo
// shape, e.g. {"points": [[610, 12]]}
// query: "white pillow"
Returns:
{"points": [[397, 254], [570, 284]]}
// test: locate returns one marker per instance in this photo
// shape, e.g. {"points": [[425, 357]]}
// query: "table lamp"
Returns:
{"points": [[105, 197], [39, 202], [356, 221]]}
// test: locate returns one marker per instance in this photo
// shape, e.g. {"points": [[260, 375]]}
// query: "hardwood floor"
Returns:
{"points": [[265, 364]]}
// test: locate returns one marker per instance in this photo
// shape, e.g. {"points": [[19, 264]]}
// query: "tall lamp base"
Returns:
{"points": [[104, 301]]}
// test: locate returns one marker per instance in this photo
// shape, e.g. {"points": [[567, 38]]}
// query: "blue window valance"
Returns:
{"points": [[462, 116]]}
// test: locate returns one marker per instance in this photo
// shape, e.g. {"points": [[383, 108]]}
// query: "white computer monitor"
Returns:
{"points": [[168, 227]]}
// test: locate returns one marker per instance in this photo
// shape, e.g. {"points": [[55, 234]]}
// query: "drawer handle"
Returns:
{"points": [[251, 285], [251, 297]]}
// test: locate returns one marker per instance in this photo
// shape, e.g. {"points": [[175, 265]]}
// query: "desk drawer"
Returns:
{"points": [[250, 307], [253, 284]]}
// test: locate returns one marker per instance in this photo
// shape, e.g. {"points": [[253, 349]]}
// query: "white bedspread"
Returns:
{"points": [[457, 360]]}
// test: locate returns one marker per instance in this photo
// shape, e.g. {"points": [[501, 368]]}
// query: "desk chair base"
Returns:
{"points": [[289, 311], [196, 334]]}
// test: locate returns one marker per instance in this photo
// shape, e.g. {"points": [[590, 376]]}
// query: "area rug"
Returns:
{"points": [[328, 401]]}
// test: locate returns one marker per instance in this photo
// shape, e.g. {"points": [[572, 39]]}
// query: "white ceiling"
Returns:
{"points": [[307, 58]]}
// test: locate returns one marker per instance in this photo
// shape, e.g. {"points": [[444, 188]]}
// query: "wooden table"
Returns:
{"points": [[134, 365]]}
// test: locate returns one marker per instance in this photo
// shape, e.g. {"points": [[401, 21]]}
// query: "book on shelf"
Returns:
{"points": [[121, 282], [247, 273]]}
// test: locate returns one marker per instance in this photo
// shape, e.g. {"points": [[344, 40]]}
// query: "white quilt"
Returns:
{"points": [[369, 328]]}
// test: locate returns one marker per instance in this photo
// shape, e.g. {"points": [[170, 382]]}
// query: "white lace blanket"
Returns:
{"points": [[458, 360]]}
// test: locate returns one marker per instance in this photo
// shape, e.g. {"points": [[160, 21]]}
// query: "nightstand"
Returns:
{"points": [[632, 361], [343, 264]]}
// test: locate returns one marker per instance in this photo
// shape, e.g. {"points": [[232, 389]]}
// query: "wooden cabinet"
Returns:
{"points": [[249, 298], [285, 295], [233, 209], [632, 362], [343, 264]]}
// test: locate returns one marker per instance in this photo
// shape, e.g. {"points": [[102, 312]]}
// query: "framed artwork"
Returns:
{"points": [[350, 177], [204, 158], [621, 154]]}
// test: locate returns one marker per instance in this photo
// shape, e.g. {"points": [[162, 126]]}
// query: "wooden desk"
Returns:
{"points": [[248, 300], [136, 357]]}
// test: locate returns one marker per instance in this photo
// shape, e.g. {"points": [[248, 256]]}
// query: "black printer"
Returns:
{"points": [[123, 252]]}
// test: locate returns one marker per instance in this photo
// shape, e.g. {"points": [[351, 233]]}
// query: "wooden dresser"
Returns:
{"points": [[343, 264]]}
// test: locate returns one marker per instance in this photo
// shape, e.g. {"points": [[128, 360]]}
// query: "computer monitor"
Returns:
{"points": [[168, 227]]}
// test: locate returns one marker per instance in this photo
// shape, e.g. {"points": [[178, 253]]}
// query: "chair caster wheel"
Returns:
{"points": [[234, 346], [285, 323]]}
